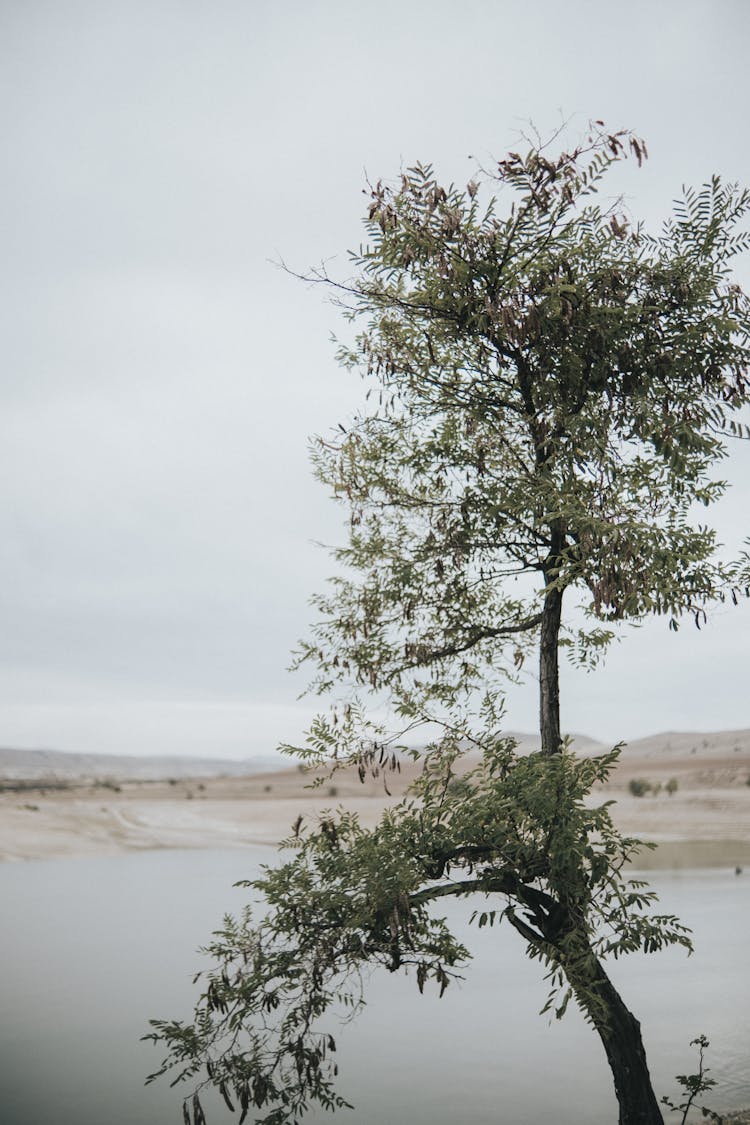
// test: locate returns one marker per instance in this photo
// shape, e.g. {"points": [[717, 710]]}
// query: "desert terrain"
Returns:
{"points": [[696, 804]]}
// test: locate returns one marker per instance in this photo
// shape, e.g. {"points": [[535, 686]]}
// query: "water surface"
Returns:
{"points": [[93, 948]]}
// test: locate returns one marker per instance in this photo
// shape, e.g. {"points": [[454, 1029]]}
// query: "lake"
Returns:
{"points": [[93, 948]]}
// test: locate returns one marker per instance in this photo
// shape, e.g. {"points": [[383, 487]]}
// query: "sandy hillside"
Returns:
{"points": [[706, 818]]}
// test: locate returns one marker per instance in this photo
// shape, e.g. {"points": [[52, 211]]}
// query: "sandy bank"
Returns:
{"points": [[705, 821]]}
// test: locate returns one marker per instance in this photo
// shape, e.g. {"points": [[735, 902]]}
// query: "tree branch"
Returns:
{"points": [[501, 883], [479, 635]]}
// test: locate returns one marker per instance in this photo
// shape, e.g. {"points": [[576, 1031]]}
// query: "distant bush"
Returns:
{"points": [[267, 788], [672, 786], [22, 785], [639, 787], [332, 791]]}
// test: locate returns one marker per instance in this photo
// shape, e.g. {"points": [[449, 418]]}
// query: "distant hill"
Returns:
{"points": [[33, 764], [59, 764], [680, 744], [666, 745]]}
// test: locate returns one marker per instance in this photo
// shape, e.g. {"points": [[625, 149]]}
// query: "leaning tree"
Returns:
{"points": [[550, 390]]}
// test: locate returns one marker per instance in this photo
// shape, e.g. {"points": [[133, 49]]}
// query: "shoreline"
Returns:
{"points": [[704, 822]]}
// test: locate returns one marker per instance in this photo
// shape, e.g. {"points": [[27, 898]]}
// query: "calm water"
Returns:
{"points": [[92, 948]]}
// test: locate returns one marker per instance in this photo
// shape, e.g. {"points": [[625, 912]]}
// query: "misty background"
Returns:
{"points": [[161, 376]]}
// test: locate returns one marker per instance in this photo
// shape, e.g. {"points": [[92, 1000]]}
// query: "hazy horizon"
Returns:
{"points": [[273, 752]]}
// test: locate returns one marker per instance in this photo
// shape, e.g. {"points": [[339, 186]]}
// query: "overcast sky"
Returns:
{"points": [[160, 377]]}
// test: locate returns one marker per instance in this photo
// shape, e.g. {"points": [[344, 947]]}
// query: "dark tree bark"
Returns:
{"points": [[549, 678], [620, 1033], [618, 1029]]}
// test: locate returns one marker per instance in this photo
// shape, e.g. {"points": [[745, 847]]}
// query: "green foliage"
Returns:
{"points": [[550, 390], [352, 898], [553, 388], [640, 786], [460, 788], [693, 1085]]}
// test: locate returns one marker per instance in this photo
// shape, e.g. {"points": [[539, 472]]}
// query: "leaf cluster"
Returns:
{"points": [[694, 1085], [519, 834], [551, 388]]}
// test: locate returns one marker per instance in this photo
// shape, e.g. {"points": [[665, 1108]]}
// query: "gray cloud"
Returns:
{"points": [[160, 377]]}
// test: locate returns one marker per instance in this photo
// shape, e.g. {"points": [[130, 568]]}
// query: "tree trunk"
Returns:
{"points": [[617, 1027], [549, 680], [620, 1033]]}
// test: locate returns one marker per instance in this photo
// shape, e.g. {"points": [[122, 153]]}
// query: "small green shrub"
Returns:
{"points": [[672, 786], [693, 1086], [638, 786]]}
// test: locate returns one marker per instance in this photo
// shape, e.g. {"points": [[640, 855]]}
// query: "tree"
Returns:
{"points": [[553, 388]]}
